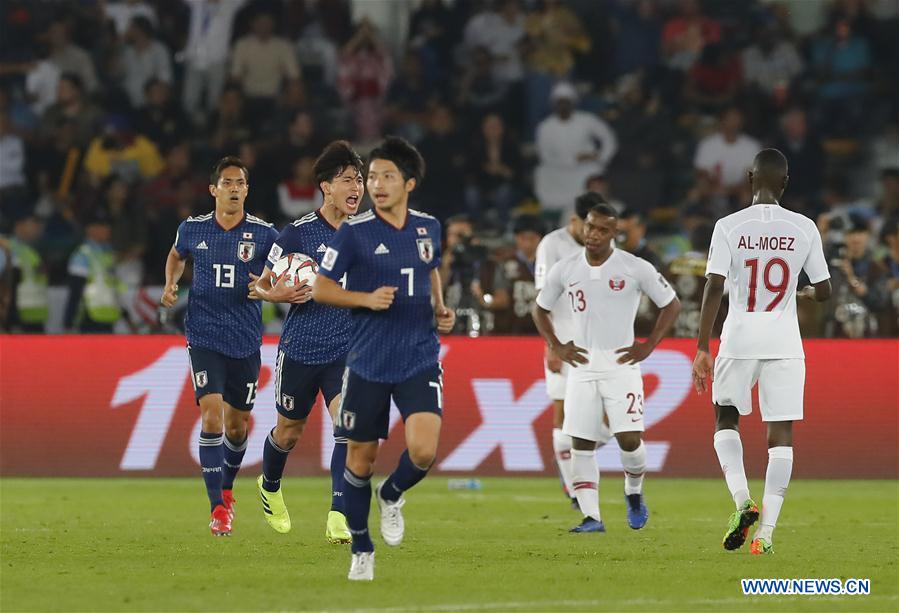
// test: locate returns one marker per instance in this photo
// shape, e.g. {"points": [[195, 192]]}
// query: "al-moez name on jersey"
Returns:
{"points": [[603, 301], [767, 243]]}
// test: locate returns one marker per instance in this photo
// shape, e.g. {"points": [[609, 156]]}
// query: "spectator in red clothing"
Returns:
{"points": [[299, 194], [714, 80], [365, 71], [685, 35]]}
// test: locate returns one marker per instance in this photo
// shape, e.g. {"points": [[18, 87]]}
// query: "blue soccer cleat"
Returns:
{"points": [[589, 525], [637, 513]]}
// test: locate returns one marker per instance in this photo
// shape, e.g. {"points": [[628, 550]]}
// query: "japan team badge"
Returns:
{"points": [[425, 249], [246, 250]]}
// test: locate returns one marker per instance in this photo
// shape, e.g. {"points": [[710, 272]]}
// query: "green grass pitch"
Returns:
{"points": [[143, 545]]}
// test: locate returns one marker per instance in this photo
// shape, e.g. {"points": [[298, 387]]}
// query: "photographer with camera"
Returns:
{"points": [[461, 268]]}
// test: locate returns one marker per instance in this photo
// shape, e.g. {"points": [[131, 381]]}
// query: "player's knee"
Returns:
{"points": [[236, 432], [780, 434], [628, 441], [286, 434], [423, 455], [727, 418]]}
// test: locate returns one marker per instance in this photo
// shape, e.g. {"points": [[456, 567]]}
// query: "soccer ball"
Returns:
{"points": [[298, 267]]}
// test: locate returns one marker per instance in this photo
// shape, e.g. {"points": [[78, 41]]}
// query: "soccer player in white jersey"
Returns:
{"points": [[555, 246], [758, 254], [603, 286]]}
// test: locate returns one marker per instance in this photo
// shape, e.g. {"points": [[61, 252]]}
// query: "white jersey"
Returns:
{"points": [[556, 246], [603, 301], [760, 251]]}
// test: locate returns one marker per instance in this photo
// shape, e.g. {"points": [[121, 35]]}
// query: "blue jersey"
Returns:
{"points": [[313, 333], [220, 317], [394, 345]]}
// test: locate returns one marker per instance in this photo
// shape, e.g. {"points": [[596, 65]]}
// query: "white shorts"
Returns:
{"points": [[781, 386], [617, 396], [555, 382]]}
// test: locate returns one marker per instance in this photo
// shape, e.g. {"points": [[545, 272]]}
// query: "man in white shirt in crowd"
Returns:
{"points": [[723, 158], [572, 145], [603, 287]]}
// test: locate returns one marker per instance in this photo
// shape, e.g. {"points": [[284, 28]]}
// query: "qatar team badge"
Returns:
{"points": [[425, 249], [616, 284], [246, 250]]}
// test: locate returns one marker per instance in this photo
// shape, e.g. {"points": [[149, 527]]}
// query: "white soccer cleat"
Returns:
{"points": [[363, 567], [392, 525]]}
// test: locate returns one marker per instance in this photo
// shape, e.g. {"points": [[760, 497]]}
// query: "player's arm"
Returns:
{"points": [[542, 314], [819, 292], [280, 292], [328, 291], [174, 268], [711, 303], [446, 317], [661, 293]]}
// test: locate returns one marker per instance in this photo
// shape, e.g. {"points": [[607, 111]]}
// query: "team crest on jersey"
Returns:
{"points": [[348, 419], [246, 250], [201, 378], [616, 284], [425, 249], [287, 402]]}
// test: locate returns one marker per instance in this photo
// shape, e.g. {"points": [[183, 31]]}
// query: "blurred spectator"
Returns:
{"points": [[599, 184], [859, 286], [494, 170], [13, 189], [300, 140], [806, 160], [6, 272], [93, 302], [771, 63], [464, 262], [71, 106], [318, 55], [29, 306], [638, 36], [714, 79], [431, 38], [442, 191], [686, 34], [41, 82], [500, 32], [299, 194], [887, 206], [841, 60], [687, 275], [56, 167], [725, 156], [230, 124], [571, 146], [69, 57], [480, 91], [206, 53], [513, 292], [143, 60], [555, 36], [632, 236], [161, 120], [121, 151], [129, 231], [365, 70], [163, 225], [890, 236], [123, 12], [262, 62], [405, 113], [164, 191]]}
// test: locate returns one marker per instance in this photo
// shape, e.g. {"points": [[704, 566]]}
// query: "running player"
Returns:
{"points": [[390, 257], [556, 246], [758, 253], [314, 340], [224, 326], [602, 286]]}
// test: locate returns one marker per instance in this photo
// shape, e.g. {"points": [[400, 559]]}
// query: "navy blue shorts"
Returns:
{"points": [[297, 385], [236, 379], [365, 405]]}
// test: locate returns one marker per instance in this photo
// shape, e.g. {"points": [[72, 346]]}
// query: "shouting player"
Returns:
{"points": [[556, 246], [224, 326], [758, 253], [314, 340], [390, 257], [602, 286]]}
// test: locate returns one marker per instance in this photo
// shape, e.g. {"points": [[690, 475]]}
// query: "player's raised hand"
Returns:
{"points": [[381, 298], [553, 362], [446, 320], [702, 370], [169, 295], [634, 354], [572, 354], [251, 288]]}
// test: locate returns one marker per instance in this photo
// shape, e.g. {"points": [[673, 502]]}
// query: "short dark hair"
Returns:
{"points": [[528, 223], [334, 159], [890, 228], [227, 162], [144, 25], [857, 223], [402, 153], [585, 202], [631, 214], [605, 210]]}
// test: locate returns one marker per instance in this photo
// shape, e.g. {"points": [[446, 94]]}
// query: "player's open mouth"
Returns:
{"points": [[379, 197], [352, 202]]}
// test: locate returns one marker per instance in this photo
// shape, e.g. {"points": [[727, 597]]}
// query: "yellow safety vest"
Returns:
{"points": [[101, 292], [31, 294]]}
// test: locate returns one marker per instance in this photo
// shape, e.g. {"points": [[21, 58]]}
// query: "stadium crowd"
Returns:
{"points": [[111, 111]]}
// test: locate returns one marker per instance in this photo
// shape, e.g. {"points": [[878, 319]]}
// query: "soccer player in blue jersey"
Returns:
{"points": [[224, 326], [390, 257], [314, 340]]}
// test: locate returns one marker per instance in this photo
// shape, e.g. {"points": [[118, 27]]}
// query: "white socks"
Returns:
{"points": [[730, 456], [562, 453], [634, 464], [777, 478], [586, 482]]}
